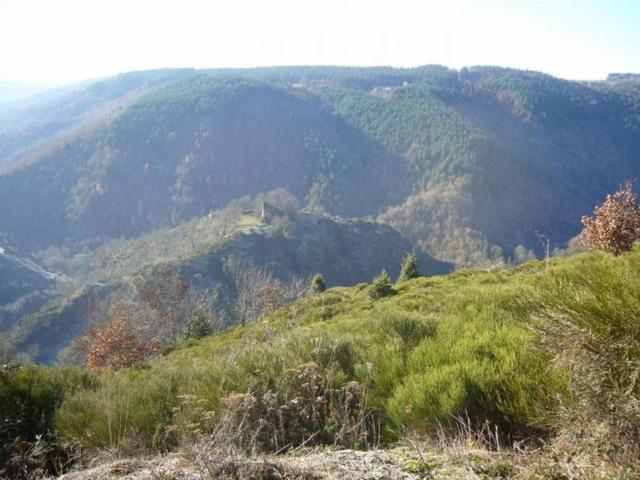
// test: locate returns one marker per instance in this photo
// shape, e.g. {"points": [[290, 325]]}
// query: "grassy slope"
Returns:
{"points": [[483, 361], [479, 361]]}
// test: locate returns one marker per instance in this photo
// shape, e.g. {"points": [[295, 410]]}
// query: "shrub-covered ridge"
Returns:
{"points": [[539, 352], [442, 348]]}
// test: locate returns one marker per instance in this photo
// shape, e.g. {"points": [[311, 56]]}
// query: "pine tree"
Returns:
{"points": [[317, 284], [381, 286], [410, 268]]}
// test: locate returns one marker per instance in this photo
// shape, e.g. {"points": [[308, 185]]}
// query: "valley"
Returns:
{"points": [[254, 271]]}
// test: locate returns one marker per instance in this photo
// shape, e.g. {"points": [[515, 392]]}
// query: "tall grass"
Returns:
{"points": [[128, 410], [588, 313], [29, 397]]}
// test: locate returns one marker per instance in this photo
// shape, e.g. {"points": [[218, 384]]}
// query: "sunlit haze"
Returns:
{"points": [[67, 40]]}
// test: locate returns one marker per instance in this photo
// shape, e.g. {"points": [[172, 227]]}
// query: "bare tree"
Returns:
{"points": [[171, 301], [296, 289], [257, 292], [250, 283]]}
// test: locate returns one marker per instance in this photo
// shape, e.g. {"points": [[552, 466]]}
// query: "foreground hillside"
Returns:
{"points": [[540, 359], [469, 165]]}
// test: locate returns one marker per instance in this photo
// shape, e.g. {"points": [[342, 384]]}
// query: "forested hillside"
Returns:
{"points": [[190, 148], [24, 287], [50, 119], [499, 157], [285, 252], [467, 164]]}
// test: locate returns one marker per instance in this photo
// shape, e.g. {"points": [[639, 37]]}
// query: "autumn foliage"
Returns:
{"points": [[117, 344], [615, 224]]}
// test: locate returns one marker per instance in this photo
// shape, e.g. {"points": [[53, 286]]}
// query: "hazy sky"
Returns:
{"points": [[67, 40]]}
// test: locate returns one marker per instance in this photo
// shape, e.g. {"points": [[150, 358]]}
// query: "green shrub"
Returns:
{"points": [[198, 326], [128, 411], [589, 315], [476, 368], [340, 353], [29, 397], [410, 331], [381, 286], [317, 284]]}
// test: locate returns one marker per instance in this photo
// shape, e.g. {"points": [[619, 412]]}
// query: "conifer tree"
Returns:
{"points": [[381, 286], [410, 268]]}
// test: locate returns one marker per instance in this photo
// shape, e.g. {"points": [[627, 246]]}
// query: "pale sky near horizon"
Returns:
{"points": [[60, 41]]}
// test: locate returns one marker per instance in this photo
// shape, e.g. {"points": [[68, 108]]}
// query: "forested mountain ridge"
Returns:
{"points": [[467, 164], [190, 148], [500, 156], [34, 125]]}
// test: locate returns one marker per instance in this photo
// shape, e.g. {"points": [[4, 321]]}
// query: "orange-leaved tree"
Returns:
{"points": [[117, 343], [615, 225]]}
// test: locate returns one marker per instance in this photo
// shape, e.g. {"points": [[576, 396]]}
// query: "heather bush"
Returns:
{"points": [[307, 406]]}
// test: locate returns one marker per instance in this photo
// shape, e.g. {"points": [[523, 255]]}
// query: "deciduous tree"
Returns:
{"points": [[615, 225], [173, 301], [117, 344]]}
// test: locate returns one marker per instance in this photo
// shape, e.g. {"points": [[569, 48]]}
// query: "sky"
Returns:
{"points": [[62, 41]]}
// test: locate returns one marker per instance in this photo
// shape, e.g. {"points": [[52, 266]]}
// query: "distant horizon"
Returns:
{"points": [[53, 84], [67, 41]]}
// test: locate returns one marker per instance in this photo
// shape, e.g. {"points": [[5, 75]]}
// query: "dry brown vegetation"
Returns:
{"points": [[615, 225], [118, 344]]}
